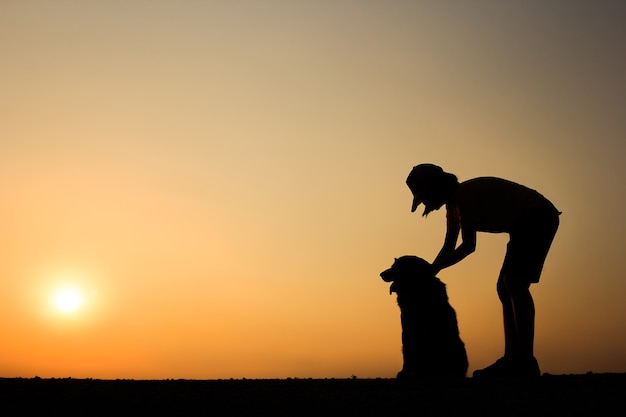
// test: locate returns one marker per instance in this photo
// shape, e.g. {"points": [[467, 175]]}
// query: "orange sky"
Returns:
{"points": [[223, 181]]}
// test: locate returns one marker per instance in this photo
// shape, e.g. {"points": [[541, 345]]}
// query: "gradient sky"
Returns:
{"points": [[223, 181]]}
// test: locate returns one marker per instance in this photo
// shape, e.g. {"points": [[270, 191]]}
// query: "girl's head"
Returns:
{"points": [[430, 185]]}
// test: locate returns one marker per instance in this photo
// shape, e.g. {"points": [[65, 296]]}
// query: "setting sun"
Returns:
{"points": [[67, 300]]}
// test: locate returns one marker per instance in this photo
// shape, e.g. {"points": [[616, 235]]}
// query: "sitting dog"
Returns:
{"points": [[431, 346]]}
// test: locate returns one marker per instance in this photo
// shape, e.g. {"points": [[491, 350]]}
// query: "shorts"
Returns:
{"points": [[529, 244]]}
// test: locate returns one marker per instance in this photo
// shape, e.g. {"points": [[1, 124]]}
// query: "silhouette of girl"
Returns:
{"points": [[494, 205]]}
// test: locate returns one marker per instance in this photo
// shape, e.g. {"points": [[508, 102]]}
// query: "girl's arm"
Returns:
{"points": [[448, 259], [449, 254]]}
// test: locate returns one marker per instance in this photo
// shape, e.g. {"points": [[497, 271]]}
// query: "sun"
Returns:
{"points": [[67, 299]]}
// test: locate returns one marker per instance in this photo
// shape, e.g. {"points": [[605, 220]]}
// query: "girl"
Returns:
{"points": [[494, 205]]}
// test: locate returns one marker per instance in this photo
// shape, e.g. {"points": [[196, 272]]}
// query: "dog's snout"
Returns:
{"points": [[386, 275]]}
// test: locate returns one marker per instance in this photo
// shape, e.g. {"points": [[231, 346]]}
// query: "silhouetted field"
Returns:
{"points": [[551, 395]]}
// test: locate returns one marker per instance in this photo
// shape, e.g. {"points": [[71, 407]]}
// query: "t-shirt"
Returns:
{"points": [[489, 204]]}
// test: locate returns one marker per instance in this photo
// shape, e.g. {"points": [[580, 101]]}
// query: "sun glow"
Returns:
{"points": [[68, 299]]}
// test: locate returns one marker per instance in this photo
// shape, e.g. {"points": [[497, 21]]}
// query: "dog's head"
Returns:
{"points": [[407, 272]]}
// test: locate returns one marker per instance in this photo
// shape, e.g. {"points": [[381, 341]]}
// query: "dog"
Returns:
{"points": [[431, 345]]}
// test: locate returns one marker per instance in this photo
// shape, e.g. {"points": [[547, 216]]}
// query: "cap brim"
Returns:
{"points": [[416, 202]]}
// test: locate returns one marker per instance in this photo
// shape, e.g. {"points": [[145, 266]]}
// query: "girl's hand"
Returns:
{"points": [[434, 269]]}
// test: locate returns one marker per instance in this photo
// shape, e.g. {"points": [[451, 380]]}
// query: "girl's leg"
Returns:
{"points": [[524, 319], [511, 338]]}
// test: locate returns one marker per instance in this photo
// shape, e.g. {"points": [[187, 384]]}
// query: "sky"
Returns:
{"points": [[216, 185]]}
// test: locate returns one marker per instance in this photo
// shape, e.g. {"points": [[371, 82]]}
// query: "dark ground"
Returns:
{"points": [[551, 395]]}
